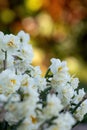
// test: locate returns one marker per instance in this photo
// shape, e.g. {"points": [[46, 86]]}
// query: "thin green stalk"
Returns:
{"points": [[46, 75], [5, 60]]}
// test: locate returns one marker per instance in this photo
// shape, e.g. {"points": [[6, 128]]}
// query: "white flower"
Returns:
{"points": [[29, 91], [1, 40], [53, 106], [21, 66], [1, 35], [24, 37], [26, 81], [33, 97], [30, 123], [66, 93], [63, 122], [61, 78], [78, 96], [9, 82], [11, 43], [26, 53], [25, 125], [56, 85], [40, 82], [1, 52], [9, 62], [15, 112], [14, 97], [3, 98], [35, 71], [58, 67], [81, 111], [74, 82], [60, 71]]}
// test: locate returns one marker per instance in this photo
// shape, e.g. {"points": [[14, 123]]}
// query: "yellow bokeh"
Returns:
{"points": [[45, 24], [7, 16], [38, 56], [33, 5]]}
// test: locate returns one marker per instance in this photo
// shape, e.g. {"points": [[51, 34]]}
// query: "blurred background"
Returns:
{"points": [[58, 28]]}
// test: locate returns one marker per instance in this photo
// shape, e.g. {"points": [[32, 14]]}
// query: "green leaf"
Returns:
{"points": [[43, 95]]}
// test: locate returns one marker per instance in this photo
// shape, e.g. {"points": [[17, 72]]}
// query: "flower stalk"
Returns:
{"points": [[5, 60]]}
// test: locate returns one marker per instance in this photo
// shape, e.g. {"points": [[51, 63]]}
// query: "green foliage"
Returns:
{"points": [[43, 96]]}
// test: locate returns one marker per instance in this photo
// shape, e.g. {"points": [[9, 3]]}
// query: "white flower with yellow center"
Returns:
{"points": [[9, 82], [11, 43], [30, 123], [58, 67], [59, 70], [26, 82]]}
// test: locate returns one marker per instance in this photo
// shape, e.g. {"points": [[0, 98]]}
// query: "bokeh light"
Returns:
{"points": [[33, 5], [7, 16], [45, 24]]}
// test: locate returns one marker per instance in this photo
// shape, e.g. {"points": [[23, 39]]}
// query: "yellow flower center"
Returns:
{"points": [[34, 119], [11, 44], [25, 83], [50, 104], [13, 81], [60, 68]]}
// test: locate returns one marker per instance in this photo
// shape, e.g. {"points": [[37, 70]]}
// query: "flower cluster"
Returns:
{"points": [[29, 101]]}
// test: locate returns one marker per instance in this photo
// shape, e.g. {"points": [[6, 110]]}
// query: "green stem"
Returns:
{"points": [[5, 60], [46, 75]]}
